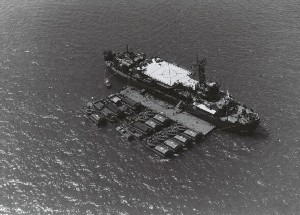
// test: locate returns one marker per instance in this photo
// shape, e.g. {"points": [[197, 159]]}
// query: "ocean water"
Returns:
{"points": [[53, 161]]}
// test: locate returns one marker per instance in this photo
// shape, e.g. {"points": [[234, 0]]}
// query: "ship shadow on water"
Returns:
{"points": [[261, 132], [238, 142]]}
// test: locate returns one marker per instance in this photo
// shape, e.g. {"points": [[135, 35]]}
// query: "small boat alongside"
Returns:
{"points": [[107, 82], [163, 151], [125, 133], [173, 145], [97, 118], [159, 149]]}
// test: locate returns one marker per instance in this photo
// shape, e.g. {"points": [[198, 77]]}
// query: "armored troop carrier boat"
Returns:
{"points": [[149, 127], [174, 84]]}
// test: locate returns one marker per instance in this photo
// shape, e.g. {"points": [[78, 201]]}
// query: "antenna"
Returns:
{"points": [[127, 48]]}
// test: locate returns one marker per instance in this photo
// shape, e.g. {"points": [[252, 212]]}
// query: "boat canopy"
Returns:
{"points": [[172, 144]]}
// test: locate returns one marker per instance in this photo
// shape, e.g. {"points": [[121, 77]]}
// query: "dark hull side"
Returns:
{"points": [[156, 92], [223, 125]]}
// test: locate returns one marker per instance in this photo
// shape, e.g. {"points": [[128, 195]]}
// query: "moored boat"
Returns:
{"points": [[174, 84], [95, 117], [107, 82]]}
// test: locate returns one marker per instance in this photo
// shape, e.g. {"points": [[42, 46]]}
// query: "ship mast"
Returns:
{"points": [[201, 70]]}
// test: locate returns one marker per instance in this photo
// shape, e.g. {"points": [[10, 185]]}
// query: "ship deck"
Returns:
{"points": [[169, 74], [169, 111]]}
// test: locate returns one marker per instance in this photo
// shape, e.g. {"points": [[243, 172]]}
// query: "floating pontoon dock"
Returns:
{"points": [[169, 111]]}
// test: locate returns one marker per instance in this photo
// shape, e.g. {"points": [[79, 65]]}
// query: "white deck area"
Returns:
{"points": [[203, 107], [170, 111], [169, 74]]}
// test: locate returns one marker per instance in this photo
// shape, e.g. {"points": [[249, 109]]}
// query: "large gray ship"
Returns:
{"points": [[174, 84]]}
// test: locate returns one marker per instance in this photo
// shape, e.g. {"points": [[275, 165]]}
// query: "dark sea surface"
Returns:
{"points": [[54, 161]]}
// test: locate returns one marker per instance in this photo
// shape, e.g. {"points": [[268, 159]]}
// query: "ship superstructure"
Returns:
{"points": [[167, 81]]}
